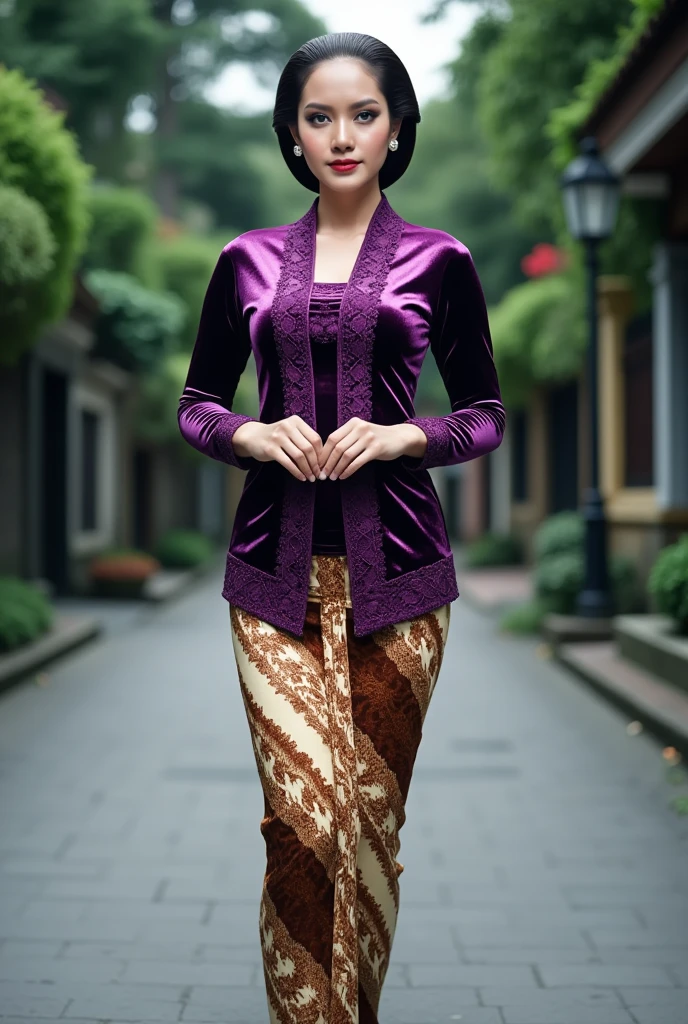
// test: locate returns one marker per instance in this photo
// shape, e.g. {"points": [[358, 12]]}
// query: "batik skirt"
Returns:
{"points": [[335, 723]]}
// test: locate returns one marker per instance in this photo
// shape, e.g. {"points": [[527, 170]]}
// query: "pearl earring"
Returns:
{"points": [[298, 151], [394, 144]]}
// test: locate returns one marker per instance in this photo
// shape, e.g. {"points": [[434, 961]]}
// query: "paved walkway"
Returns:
{"points": [[546, 878]]}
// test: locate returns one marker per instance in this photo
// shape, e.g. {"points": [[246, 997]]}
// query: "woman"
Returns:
{"points": [[339, 572]]}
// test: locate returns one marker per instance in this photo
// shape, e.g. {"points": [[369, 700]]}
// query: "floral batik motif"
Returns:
{"points": [[335, 722]]}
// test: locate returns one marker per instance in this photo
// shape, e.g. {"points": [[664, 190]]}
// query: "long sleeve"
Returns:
{"points": [[462, 347], [220, 354]]}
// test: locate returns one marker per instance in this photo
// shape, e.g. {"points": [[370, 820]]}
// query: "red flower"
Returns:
{"points": [[543, 259]]}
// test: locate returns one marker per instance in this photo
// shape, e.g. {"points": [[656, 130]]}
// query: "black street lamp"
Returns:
{"points": [[591, 200]]}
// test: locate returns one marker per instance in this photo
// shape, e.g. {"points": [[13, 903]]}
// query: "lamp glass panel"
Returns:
{"points": [[572, 209]]}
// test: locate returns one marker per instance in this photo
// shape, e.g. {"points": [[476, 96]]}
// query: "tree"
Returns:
{"points": [[103, 57], [40, 158]]}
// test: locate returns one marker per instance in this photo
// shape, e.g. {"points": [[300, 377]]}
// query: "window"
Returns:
{"points": [[638, 419], [519, 455], [93, 470], [89, 469]]}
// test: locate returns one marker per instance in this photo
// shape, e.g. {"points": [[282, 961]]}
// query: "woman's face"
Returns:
{"points": [[344, 116]]}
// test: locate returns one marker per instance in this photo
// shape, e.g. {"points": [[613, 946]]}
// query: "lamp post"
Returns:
{"points": [[591, 200]]}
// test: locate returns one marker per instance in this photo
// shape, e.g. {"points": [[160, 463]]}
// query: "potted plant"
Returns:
{"points": [[122, 573], [668, 582]]}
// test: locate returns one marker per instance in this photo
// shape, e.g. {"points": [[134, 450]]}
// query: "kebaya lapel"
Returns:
{"points": [[359, 312], [357, 319]]}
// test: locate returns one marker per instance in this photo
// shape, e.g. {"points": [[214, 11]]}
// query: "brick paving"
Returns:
{"points": [[546, 877]]}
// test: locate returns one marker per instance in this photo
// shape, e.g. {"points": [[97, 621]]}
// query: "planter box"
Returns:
{"points": [[124, 589], [558, 628], [652, 642]]}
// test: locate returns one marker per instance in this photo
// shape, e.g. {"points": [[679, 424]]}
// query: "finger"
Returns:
{"points": [[331, 454], [308, 431], [294, 451], [289, 464], [355, 464], [309, 448], [345, 459], [307, 439]]}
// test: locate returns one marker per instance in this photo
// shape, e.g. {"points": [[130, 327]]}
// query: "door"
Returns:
{"points": [[563, 447], [53, 478]]}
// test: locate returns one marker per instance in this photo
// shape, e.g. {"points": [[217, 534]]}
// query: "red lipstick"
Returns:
{"points": [[344, 165]]}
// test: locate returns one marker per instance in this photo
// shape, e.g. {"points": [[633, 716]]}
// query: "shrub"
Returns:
{"points": [[494, 549], [183, 549], [668, 582], [27, 246], [123, 222], [559, 578], [25, 613], [186, 266], [136, 327], [524, 618], [560, 533], [39, 156], [538, 333]]}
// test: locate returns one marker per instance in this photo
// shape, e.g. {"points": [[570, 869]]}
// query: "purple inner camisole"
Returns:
{"points": [[326, 297]]}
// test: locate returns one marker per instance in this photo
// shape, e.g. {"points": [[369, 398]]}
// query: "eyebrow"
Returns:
{"points": [[359, 103]]}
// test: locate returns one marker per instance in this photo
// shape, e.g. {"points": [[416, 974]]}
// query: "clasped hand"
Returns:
{"points": [[300, 449]]}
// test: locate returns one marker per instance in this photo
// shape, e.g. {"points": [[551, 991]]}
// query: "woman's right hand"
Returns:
{"points": [[291, 442]]}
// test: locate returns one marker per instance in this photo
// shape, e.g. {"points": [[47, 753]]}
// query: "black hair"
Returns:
{"points": [[393, 81]]}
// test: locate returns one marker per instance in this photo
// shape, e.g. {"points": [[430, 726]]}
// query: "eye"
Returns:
{"points": [[371, 117]]}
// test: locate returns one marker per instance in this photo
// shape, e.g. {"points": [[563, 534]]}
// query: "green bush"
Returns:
{"points": [[560, 533], [183, 549], [123, 222], [40, 157], [559, 578], [27, 246], [538, 333], [136, 327], [494, 549], [25, 613], [668, 582], [186, 264], [524, 618]]}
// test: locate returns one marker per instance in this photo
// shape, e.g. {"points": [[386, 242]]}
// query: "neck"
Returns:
{"points": [[343, 213]]}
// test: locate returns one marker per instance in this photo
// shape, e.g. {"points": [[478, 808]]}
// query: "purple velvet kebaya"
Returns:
{"points": [[411, 288]]}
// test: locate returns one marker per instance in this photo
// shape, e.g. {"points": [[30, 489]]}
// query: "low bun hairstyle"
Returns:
{"points": [[393, 81]]}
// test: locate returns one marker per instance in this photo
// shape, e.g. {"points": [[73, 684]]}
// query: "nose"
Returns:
{"points": [[342, 140]]}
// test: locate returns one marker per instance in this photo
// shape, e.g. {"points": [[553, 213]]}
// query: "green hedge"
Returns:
{"points": [[183, 549], [494, 549], [559, 578], [559, 574], [186, 264], [668, 582], [136, 327], [560, 533], [27, 252], [122, 234], [40, 157], [539, 334], [25, 613]]}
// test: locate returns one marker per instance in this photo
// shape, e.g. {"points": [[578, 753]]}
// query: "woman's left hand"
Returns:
{"points": [[358, 441]]}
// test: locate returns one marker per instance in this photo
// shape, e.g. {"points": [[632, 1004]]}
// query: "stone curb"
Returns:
{"points": [[662, 708], [66, 634], [70, 631]]}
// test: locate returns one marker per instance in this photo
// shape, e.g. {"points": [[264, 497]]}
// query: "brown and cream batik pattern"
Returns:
{"points": [[335, 723]]}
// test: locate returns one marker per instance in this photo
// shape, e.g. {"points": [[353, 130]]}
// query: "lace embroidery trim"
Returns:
{"points": [[372, 594], [326, 300]]}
